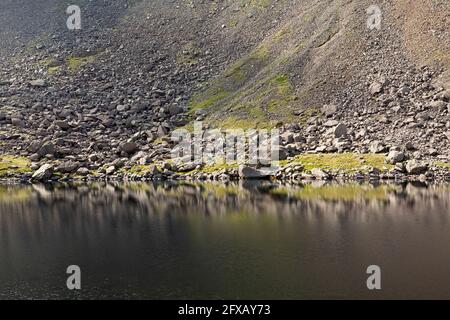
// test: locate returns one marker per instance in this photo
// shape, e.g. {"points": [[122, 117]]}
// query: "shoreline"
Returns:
{"points": [[288, 171]]}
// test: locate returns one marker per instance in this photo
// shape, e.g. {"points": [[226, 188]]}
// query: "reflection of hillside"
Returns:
{"points": [[220, 198], [240, 238]]}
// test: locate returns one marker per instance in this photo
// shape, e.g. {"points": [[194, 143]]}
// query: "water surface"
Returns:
{"points": [[226, 241]]}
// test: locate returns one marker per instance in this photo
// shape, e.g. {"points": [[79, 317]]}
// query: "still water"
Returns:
{"points": [[225, 241]]}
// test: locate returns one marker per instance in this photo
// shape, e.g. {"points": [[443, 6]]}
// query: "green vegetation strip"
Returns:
{"points": [[10, 165]]}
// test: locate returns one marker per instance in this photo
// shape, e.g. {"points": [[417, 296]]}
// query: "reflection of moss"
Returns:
{"points": [[348, 162], [14, 194], [10, 165], [220, 190], [347, 192]]}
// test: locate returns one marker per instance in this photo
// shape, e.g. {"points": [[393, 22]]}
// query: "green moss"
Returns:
{"points": [[445, 165], [348, 162], [53, 70], [11, 165], [207, 100], [75, 63]]}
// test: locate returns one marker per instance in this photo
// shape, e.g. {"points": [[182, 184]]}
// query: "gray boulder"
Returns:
{"points": [[44, 173], [415, 167], [395, 157]]}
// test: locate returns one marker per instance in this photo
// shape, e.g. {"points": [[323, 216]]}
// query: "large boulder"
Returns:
{"points": [[395, 157], [129, 147], [246, 172], [415, 167], [47, 149], [340, 131], [44, 173], [68, 167]]}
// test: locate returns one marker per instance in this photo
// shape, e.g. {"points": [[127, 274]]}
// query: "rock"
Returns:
{"points": [[281, 151], [47, 149], [129, 147], [375, 88], [329, 110], [439, 105], [153, 170], [433, 152], [83, 171], [410, 146], [174, 110], [331, 123], [110, 170], [121, 108], [340, 130], [63, 125], [162, 131], [320, 174], [17, 122], [415, 167], [395, 157], [34, 146], [44, 173], [68, 167], [287, 137], [246, 172], [38, 83], [377, 147]]}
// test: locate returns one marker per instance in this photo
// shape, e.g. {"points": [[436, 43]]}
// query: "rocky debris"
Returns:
{"points": [[44, 173], [133, 92]]}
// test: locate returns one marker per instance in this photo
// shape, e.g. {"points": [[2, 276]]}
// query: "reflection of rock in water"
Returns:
{"points": [[249, 197]]}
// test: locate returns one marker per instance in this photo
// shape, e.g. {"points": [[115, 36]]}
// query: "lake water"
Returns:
{"points": [[227, 241]]}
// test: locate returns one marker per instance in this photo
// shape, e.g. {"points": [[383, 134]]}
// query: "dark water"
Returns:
{"points": [[235, 241]]}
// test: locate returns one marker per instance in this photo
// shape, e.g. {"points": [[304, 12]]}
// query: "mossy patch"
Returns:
{"points": [[346, 162], [75, 63], [207, 100], [445, 165], [10, 165]]}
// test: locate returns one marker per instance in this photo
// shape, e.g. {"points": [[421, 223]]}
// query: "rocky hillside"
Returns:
{"points": [[138, 69]]}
